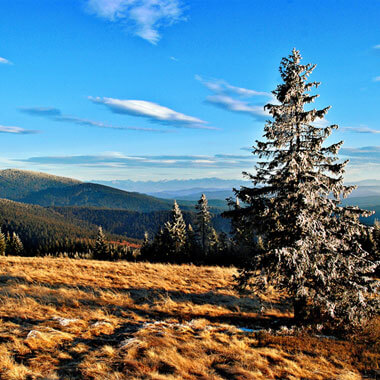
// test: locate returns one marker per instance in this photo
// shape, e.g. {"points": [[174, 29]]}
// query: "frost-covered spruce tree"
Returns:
{"points": [[101, 250], [175, 234], [309, 242], [2, 244], [203, 227]]}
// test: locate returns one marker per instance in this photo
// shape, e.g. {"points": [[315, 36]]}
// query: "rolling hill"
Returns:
{"points": [[48, 190], [92, 194], [16, 184]]}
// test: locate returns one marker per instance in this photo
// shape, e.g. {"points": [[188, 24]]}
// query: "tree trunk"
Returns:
{"points": [[300, 310]]}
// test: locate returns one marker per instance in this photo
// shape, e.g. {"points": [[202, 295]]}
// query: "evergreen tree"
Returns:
{"points": [[14, 245], [309, 242], [146, 238], [192, 247], [203, 227], [101, 249], [214, 241], [2, 244], [174, 233], [376, 237]]}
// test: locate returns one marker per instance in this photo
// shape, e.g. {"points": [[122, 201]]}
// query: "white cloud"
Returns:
{"points": [[221, 86], [5, 61], [16, 130], [376, 79], [237, 105], [377, 46], [233, 98], [320, 123], [144, 17], [153, 111], [56, 115]]}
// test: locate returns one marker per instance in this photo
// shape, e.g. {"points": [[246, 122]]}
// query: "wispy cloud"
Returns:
{"points": [[377, 46], [152, 111], [5, 61], [143, 17], [16, 130], [41, 111], [362, 129], [376, 79], [236, 105], [56, 115], [112, 159], [363, 154], [233, 98]]}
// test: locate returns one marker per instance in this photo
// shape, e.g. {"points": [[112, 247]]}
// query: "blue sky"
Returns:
{"points": [[174, 89]]}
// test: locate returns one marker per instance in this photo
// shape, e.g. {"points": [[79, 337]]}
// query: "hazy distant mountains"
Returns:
{"points": [[366, 188], [214, 188], [154, 187]]}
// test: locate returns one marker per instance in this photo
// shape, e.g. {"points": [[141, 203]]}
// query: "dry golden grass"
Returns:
{"points": [[76, 319]]}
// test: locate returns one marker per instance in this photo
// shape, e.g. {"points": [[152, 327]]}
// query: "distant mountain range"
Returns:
{"points": [[213, 188], [195, 194], [156, 187]]}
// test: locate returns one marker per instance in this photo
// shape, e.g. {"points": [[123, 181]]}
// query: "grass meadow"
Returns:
{"points": [[80, 319]]}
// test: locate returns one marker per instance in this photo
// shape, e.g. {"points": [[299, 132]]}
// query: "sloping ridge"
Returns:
{"points": [[94, 195], [16, 184]]}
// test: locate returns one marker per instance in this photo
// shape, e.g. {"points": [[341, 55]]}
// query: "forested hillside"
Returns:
{"points": [[41, 229], [132, 223], [91, 194], [38, 226]]}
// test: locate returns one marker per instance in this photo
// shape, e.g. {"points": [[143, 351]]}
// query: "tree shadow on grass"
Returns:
{"points": [[239, 310], [150, 296]]}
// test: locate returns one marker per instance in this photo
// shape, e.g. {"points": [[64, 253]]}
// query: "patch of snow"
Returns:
{"points": [[39, 333], [34, 334], [101, 323], [128, 342], [65, 321]]}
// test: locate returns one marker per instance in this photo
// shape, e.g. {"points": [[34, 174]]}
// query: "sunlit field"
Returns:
{"points": [[78, 319]]}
